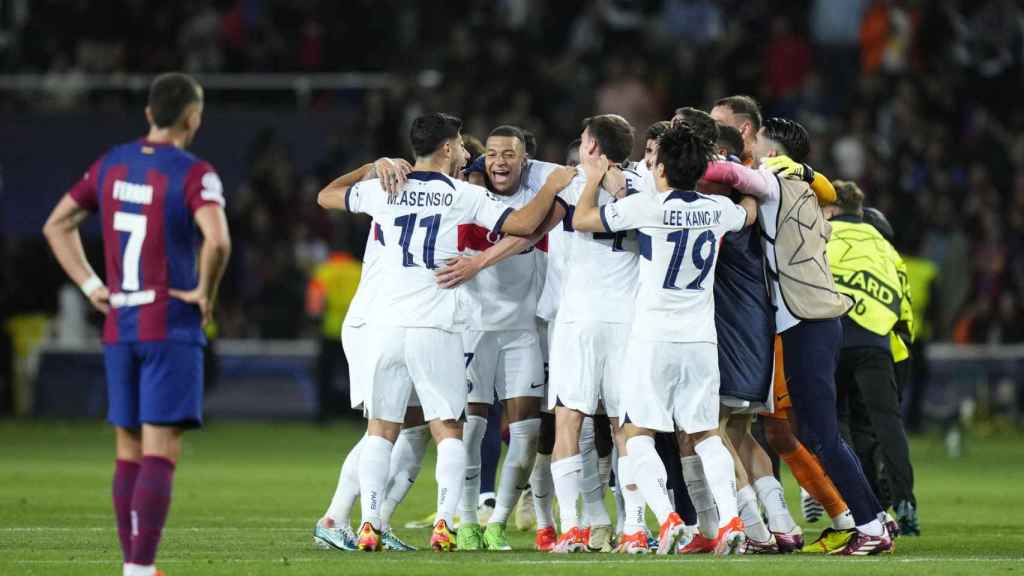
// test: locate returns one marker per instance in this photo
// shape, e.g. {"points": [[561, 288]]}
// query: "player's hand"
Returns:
{"points": [[392, 173], [457, 271], [561, 177], [615, 182], [786, 167], [595, 167], [100, 299], [197, 297]]}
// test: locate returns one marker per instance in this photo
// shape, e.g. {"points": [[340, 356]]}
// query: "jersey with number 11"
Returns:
{"points": [[147, 194], [419, 233], [678, 237]]}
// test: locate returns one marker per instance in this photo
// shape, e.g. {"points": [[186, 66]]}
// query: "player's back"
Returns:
{"points": [[419, 230], [678, 242], [600, 284], [147, 194]]}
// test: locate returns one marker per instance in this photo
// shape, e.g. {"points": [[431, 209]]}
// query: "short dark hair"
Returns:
{"points": [[685, 155], [430, 131], [849, 197], [530, 143], [791, 135], [654, 131], [473, 146], [730, 139], [169, 95], [743, 104], [510, 131], [614, 135], [701, 122]]}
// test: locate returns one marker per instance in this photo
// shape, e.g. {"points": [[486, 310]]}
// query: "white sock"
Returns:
{"points": [[632, 517], [406, 460], [720, 472], [374, 464], [703, 501], [620, 503], [770, 493], [138, 570], [650, 475], [753, 524], [450, 474], [543, 491], [515, 471], [340, 509], [873, 528], [472, 440], [843, 521], [594, 512], [604, 470], [566, 476]]}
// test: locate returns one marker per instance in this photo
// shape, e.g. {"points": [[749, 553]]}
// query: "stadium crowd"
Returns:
{"points": [[914, 100]]}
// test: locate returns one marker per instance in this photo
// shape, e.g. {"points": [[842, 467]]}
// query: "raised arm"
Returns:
{"points": [[213, 260], [749, 204], [587, 215], [757, 183], [61, 231], [524, 222], [391, 171]]}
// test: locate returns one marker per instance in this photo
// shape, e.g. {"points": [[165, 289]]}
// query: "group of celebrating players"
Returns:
{"points": [[673, 300], [653, 291]]}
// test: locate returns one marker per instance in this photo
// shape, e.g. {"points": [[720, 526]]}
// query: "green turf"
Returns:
{"points": [[247, 495]]}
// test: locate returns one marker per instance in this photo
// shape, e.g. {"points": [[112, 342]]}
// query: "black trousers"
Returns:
{"points": [[868, 402]]}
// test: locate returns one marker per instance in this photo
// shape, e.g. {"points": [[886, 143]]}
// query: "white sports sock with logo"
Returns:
{"points": [[843, 521], [374, 464], [594, 512], [406, 460], [770, 493], [543, 491], [650, 475], [472, 440], [720, 472], [340, 509], [753, 524], [450, 474], [633, 508], [515, 471], [703, 501]]}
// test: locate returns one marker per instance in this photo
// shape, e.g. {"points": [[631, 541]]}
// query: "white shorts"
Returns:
{"points": [[674, 386], [505, 363], [404, 364], [586, 365], [353, 340]]}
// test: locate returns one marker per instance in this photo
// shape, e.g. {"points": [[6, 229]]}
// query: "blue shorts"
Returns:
{"points": [[154, 383]]}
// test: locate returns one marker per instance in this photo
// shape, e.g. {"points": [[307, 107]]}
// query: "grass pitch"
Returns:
{"points": [[246, 497]]}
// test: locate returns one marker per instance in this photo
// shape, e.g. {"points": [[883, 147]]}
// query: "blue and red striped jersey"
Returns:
{"points": [[146, 194]]}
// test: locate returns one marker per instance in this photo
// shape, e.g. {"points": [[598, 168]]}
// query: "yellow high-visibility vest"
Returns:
{"points": [[864, 265]]}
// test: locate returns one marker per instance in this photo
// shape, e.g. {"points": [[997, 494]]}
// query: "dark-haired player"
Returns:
{"points": [[156, 202], [671, 352]]}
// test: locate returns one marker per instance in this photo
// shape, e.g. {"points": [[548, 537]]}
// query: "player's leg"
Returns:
{"points": [[543, 486], [649, 407], [480, 357], [490, 459], [123, 412], [436, 366], [767, 487], [519, 381], [567, 467], [759, 539], [406, 461], [810, 350], [597, 523]]}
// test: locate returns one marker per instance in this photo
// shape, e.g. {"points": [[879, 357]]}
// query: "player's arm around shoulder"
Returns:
{"points": [[392, 173], [526, 220]]}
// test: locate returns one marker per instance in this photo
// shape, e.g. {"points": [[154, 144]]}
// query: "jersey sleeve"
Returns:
{"points": [[203, 187], [365, 197], [537, 173], [85, 192], [625, 214], [484, 210], [570, 195], [734, 217]]}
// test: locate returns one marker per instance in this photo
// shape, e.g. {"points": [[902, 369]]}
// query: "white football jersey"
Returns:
{"points": [[505, 296], [600, 284], [678, 236], [420, 227], [362, 301]]}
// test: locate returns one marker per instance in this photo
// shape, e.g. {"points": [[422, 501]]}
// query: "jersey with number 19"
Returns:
{"points": [[147, 194], [672, 352], [414, 340]]}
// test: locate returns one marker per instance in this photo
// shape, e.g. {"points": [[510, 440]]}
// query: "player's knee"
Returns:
{"points": [[779, 435]]}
